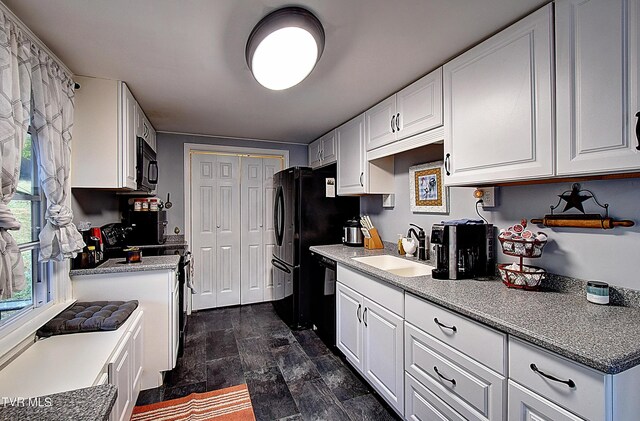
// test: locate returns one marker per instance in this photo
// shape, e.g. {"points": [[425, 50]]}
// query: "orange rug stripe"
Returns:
{"points": [[230, 404]]}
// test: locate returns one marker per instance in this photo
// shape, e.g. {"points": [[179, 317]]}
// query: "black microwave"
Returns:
{"points": [[146, 166]]}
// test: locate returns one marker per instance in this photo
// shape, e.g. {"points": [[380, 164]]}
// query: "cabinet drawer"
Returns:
{"points": [[524, 405], [470, 388], [421, 404], [587, 396], [384, 294], [481, 343]]}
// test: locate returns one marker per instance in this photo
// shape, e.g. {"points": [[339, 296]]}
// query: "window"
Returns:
{"points": [[28, 207]]}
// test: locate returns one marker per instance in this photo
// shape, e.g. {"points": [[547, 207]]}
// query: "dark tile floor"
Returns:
{"points": [[291, 375]]}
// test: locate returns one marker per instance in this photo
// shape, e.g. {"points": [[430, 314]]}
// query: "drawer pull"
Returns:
{"points": [[569, 382], [358, 313], [453, 328], [452, 381], [364, 317]]}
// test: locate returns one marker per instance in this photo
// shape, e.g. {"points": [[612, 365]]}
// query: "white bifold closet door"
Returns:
{"points": [[232, 229], [215, 186], [257, 231]]}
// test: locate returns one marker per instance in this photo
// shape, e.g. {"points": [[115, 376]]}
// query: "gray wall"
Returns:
{"points": [[610, 256], [99, 207], [171, 164]]}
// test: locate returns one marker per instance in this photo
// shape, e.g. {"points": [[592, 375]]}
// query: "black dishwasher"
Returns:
{"points": [[323, 301]]}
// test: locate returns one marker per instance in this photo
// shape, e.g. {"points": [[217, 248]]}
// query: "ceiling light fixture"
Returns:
{"points": [[284, 47]]}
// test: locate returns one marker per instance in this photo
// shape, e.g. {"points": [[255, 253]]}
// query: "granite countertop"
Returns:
{"points": [[119, 265], [602, 337], [89, 404]]}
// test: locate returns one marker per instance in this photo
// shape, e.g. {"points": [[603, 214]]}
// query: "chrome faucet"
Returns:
{"points": [[420, 236]]}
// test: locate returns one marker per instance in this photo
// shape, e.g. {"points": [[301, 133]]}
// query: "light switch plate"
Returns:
{"points": [[388, 200]]}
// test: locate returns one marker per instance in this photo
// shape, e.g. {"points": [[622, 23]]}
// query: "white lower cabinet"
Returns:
{"points": [[383, 344], [124, 371], [421, 404], [459, 378], [525, 405], [370, 333], [157, 295]]}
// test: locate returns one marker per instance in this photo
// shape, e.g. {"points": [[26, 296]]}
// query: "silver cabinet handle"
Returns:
{"points": [[393, 129], [361, 175], [364, 316], [398, 121], [358, 313]]}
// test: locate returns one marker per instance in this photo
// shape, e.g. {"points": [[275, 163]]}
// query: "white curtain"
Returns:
{"points": [[52, 121], [15, 104]]}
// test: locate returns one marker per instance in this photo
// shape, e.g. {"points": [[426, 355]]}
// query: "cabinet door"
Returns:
{"points": [[120, 375], [175, 323], [328, 150], [128, 140], [525, 405], [349, 324], [352, 177], [384, 352], [315, 149], [420, 105], [498, 106], [152, 137], [597, 48], [380, 123], [137, 352]]}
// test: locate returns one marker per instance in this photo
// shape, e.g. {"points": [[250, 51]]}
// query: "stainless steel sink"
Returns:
{"points": [[396, 265]]}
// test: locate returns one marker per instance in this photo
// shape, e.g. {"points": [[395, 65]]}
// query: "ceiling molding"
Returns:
{"points": [[231, 138]]}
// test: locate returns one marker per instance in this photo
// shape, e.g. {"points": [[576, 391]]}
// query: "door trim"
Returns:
{"points": [[189, 149]]}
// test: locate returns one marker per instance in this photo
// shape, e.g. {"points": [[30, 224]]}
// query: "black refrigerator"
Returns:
{"points": [[303, 216]]}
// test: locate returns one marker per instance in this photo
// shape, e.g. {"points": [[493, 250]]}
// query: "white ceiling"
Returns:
{"points": [[184, 60]]}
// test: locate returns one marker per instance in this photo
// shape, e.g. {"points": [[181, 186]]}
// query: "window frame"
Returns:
{"points": [[41, 280]]}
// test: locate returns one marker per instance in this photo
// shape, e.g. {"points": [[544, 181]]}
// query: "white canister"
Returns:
{"points": [[598, 292]]}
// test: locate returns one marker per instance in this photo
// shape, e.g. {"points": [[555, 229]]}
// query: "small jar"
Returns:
{"points": [[598, 292], [137, 205], [134, 255], [145, 205], [153, 205]]}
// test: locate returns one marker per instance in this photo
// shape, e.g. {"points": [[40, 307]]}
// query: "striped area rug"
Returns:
{"points": [[230, 404]]}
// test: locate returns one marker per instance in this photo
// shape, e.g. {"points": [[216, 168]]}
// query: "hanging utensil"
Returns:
{"points": [[168, 204]]}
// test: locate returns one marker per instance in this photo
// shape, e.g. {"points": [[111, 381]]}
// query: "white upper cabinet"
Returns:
{"points": [[107, 120], [144, 129], [351, 157], [597, 49], [415, 109], [498, 106], [323, 151], [356, 175]]}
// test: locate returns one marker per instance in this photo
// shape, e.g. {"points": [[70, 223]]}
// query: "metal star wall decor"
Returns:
{"points": [[574, 199]]}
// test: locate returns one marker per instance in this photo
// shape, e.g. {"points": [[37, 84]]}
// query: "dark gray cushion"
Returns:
{"points": [[89, 317]]}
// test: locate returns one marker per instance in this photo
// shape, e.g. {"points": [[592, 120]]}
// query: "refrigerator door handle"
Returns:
{"points": [[278, 216], [279, 265]]}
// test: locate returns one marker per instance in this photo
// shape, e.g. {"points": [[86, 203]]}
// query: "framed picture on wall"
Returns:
{"points": [[426, 188]]}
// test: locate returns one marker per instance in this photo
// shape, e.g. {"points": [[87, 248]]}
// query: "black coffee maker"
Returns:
{"points": [[147, 228], [463, 251]]}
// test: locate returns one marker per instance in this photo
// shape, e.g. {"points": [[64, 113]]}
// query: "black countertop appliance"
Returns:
{"points": [[147, 227], [463, 251], [303, 216]]}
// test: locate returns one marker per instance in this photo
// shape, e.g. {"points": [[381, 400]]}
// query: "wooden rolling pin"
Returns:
{"points": [[582, 221]]}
